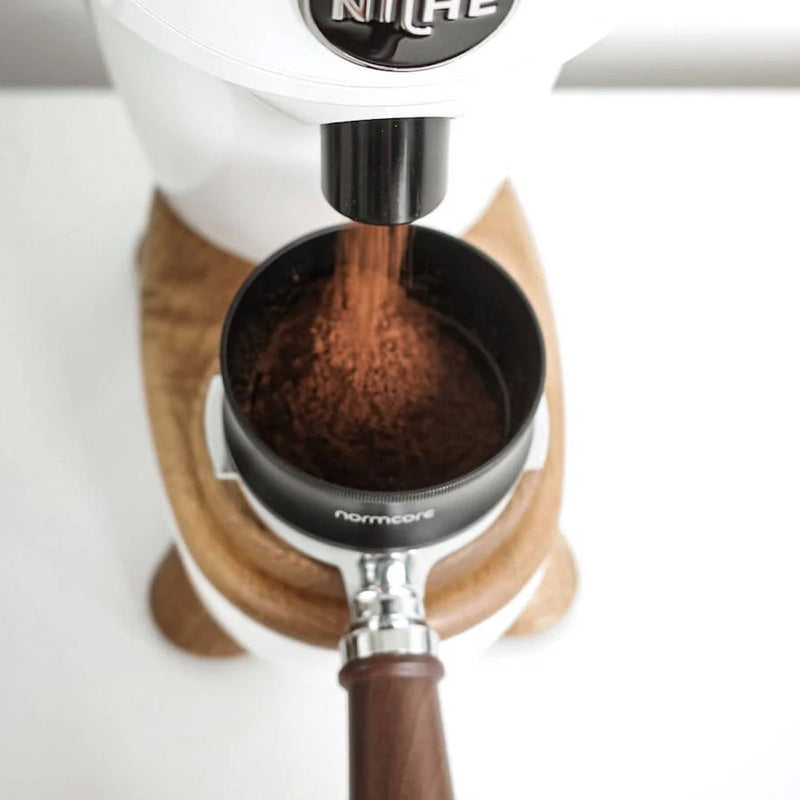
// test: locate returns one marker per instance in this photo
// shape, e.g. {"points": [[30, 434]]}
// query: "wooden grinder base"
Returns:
{"points": [[187, 285]]}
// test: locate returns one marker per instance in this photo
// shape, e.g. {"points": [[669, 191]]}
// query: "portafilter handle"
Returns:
{"points": [[397, 747], [391, 672]]}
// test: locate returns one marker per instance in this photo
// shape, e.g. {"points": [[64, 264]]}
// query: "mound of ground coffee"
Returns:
{"points": [[365, 387]]}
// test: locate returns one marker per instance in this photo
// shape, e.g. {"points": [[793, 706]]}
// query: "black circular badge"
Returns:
{"points": [[405, 34]]}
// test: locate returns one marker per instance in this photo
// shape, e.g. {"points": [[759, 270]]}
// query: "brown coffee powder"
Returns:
{"points": [[365, 387]]}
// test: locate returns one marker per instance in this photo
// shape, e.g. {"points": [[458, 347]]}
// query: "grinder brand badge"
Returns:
{"points": [[405, 34]]}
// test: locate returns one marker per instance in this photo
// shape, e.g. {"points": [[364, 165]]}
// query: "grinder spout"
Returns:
{"points": [[385, 171]]}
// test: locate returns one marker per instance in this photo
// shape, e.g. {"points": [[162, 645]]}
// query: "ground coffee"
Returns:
{"points": [[368, 388]]}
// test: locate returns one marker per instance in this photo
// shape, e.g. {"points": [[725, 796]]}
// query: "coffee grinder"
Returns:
{"points": [[267, 123]]}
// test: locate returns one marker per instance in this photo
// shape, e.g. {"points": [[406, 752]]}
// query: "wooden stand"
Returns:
{"points": [[187, 285]]}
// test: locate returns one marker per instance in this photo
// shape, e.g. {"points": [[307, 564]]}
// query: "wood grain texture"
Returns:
{"points": [[187, 285], [554, 595], [397, 745], [181, 616]]}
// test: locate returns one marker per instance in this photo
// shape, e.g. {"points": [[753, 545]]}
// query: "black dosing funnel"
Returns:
{"points": [[465, 287], [385, 171]]}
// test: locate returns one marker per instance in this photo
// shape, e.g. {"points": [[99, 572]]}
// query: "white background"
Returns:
{"points": [[658, 42], [668, 228]]}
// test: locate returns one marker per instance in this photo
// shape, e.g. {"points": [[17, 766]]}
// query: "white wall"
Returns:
{"points": [[47, 42], [697, 43], [661, 43], [687, 56]]}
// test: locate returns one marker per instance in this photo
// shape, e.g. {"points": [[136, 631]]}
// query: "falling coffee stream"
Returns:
{"points": [[361, 298], [366, 387]]}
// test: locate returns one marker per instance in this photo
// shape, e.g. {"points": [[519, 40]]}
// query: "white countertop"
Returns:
{"points": [[673, 255]]}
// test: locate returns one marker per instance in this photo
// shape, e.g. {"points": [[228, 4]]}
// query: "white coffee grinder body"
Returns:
{"points": [[227, 100]]}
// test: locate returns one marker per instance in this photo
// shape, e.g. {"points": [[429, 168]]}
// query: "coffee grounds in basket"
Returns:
{"points": [[363, 386]]}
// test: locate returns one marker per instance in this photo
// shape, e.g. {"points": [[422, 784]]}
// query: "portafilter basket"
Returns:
{"points": [[385, 543]]}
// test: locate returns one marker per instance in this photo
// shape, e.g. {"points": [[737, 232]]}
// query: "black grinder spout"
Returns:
{"points": [[385, 171]]}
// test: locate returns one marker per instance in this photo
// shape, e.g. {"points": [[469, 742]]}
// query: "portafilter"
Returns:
{"points": [[385, 543]]}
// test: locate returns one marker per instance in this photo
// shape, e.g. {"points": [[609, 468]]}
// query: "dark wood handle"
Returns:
{"points": [[397, 748]]}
